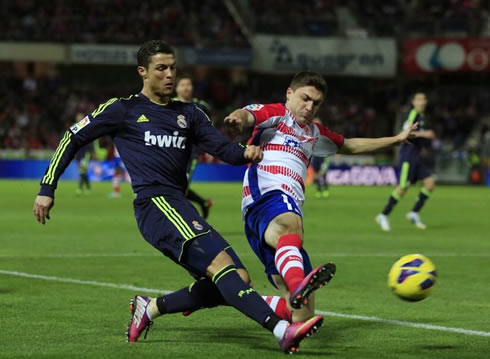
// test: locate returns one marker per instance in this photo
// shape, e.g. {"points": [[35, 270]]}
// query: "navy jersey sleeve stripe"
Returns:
{"points": [[103, 121]]}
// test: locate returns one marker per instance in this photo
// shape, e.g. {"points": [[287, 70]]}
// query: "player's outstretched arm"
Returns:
{"points": [[429, 134], [362, 145], [238, 120], [42, 206], [103, 121]]}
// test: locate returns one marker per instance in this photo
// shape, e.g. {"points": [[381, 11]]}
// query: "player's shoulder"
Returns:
{"points": [[320, 128], [327, 132], [115, 105], [272, 109]]}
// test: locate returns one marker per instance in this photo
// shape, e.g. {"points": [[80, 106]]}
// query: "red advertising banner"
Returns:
{"points": [[438, 55]]}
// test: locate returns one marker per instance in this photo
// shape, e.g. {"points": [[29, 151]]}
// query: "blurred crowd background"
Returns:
{"points": [[38, 101]]}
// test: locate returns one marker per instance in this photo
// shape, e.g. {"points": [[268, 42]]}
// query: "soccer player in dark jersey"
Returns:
{"points": [[413, 166], [155, 137], [184, 89]]}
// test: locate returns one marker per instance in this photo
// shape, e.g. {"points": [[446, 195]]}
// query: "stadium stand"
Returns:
{"points": [[35, 108], [184, 23]]}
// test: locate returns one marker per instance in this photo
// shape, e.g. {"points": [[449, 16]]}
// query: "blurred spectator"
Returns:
{"points": [[294, 18], [421, 17], [182, 22], [35, 116]]}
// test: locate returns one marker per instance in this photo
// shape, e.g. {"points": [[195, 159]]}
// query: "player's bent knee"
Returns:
{"points": [[429, 184], [219, 262], [402, 191], [285, 223]]}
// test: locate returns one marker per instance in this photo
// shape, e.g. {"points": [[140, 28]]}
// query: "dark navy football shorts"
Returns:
{"points": [[257, 219], [173, 226], [412, 170]]}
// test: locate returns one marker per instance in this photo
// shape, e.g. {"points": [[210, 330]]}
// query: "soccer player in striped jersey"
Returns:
{"points": [[413, 166], [273, 190], [155, 137]]}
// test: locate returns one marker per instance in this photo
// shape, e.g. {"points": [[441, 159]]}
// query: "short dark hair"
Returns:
{"points": [[150, 48], [415, 93], [183, 77], [309, 78]]}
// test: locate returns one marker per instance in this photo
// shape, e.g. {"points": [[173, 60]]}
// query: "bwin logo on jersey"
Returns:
{"points": [[291, 142], [165, 140]]}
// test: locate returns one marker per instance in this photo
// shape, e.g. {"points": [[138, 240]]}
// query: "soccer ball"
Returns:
{"points": [[412, 277]]}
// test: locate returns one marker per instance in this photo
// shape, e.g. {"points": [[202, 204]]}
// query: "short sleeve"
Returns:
{"points": [[264, 114], [329, 142]]}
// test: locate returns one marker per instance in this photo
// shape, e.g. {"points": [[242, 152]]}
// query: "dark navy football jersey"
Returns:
{"points": [[154, 141], [413, 148]]}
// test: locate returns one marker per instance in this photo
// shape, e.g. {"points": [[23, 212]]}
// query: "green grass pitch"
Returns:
{"points": [[92, 240]]}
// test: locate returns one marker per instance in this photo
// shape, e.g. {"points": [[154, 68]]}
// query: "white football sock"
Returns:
{"points": [[152, 309], [280, 329]]}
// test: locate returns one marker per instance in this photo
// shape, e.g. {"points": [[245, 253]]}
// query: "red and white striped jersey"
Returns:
{"points": [[288, 147]]}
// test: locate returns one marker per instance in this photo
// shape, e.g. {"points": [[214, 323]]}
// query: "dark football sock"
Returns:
{"points": [[201, 294], [244, 298], [392, 201], [423, 196]]}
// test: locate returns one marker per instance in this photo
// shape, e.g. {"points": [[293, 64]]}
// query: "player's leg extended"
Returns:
{"points": [[248, 301], [284, 233], [428, 186], [203, 293], [395, 197], [424, 194], [297, 315], [173, 226]]}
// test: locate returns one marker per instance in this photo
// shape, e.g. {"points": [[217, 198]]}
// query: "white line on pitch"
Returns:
{"points": [[331, 314], [406, 324], [121, 255], [86, 282], [80, 255]]}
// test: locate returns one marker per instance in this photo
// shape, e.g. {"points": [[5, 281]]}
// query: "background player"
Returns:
{"points": [[320, 166], [185, 89], [83, 157], [120, 174], [155, 152], [273, 190], [413, 166]]}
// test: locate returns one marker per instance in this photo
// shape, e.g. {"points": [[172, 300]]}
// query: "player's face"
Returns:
{"points": [[419, 102], [184, 89], [160, 75], [304, 103]]}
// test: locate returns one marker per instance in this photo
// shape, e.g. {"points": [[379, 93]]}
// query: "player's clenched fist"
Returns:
{"points": [[234, 125], [234, 121], [42, 206], [253, 154]]}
